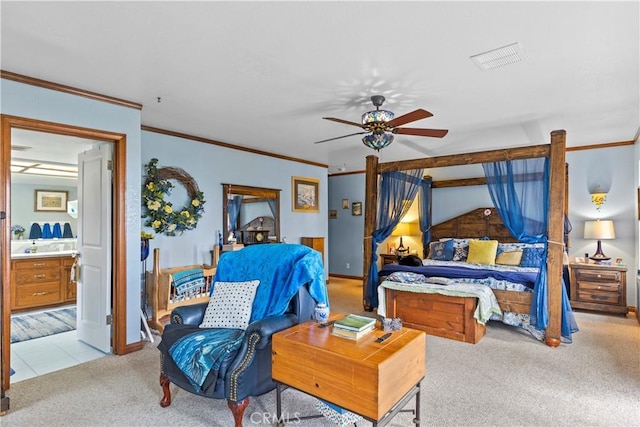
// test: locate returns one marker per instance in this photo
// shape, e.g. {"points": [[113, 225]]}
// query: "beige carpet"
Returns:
{"points": [[507, 379]]}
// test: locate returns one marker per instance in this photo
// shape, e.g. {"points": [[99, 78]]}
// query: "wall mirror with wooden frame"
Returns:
{"points": [[250, 214]]}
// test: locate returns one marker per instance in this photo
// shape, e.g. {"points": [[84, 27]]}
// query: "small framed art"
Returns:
{"points": [[51, 201], [333, 214], [345, 203], [356, 208]]}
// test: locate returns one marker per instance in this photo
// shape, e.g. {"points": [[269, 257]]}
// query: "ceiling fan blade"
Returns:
{"points": [[434, 133], [409, 117], [346, 122], [340, 137]]}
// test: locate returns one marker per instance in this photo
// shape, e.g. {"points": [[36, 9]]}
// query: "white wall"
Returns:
{"points": [[211, 166], [34, 102]]}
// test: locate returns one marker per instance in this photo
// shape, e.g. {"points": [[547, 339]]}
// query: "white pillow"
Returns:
{"points": [[230, 305]]}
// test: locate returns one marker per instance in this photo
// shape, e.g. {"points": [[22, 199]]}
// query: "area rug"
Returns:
{"points": [[29, 326]]}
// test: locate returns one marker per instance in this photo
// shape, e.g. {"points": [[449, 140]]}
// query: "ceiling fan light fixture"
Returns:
{"points": [[377, 141], [376, 116]]}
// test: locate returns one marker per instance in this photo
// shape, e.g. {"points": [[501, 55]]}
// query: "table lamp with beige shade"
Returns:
{"points": [[599, 230], [404, 229]]}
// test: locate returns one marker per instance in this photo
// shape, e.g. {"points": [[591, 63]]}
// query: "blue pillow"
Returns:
{"points": [[441, 251], [532, 257]]}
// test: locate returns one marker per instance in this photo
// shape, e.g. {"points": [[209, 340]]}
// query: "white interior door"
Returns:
{"points": [[94, 246]]}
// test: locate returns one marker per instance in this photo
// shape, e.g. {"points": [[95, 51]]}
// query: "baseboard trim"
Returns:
{"points": [[344, 276]]}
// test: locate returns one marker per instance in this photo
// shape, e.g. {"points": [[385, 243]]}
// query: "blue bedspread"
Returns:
{"points": [[527, 278], [282, 267]]}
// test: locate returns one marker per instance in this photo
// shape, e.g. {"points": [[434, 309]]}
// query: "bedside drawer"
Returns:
{"points": [[599, 286], [37, 276], [36, 295], [599, 297], [598, 276]]}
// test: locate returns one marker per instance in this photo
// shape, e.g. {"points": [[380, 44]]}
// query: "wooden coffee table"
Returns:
{"points": [[372, 379]]}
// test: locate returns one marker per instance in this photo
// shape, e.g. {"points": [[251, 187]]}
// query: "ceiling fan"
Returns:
{"points": [[380, 125]]}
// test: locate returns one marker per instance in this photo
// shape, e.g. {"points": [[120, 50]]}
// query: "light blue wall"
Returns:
{"points": [[346, 232], [22, 206], [211, 166], [614, 170], [34, 102]]}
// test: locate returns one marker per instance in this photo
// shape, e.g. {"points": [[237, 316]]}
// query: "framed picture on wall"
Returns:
{"points": [[305, 192], [333, 214], [356, 208], [345, 203], [51, 201]]}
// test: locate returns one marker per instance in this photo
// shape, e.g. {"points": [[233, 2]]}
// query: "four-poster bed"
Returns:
{"points": [[552, 295]]}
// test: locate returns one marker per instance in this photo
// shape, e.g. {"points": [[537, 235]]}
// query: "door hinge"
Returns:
{"points": [[110, 165], [109, 319]]}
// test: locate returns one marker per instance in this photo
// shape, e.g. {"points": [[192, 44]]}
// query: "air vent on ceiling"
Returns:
{"points": [[500, 57], [20, 148]]}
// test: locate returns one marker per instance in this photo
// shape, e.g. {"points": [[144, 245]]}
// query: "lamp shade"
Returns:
{"points": [[599, 230], [406, 229]]}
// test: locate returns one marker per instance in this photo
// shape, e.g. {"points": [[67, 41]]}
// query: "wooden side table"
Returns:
{"points": [[599, 287], [369, 378], [388, 258]]}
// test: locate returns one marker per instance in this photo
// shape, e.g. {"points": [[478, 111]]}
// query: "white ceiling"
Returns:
{"points": [[263, 74]]}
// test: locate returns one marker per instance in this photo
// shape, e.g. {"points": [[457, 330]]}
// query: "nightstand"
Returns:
{"points": [[388, 258], [599, 287]]}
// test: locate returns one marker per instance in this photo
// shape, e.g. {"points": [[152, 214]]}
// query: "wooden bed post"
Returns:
{"points": [[557, 191], [370, 214]]}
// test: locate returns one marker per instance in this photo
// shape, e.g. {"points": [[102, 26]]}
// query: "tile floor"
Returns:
{"points": [[48, 354]]}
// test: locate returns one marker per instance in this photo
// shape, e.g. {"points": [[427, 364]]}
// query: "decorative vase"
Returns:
{"points": [[321, 313], [144, 249]]}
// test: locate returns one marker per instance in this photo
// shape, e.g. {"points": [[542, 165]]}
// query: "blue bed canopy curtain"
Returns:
{"points": [[523, 206]]}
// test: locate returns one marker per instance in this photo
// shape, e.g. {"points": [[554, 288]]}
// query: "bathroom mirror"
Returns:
{"points": [[251, 215]]}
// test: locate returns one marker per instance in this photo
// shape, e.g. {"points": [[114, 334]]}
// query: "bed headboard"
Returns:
{"points": [[474, 224]]}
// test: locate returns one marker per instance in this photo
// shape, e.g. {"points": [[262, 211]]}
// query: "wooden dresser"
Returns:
{"points": [[599, 287], [39, 282], [316, 243]]}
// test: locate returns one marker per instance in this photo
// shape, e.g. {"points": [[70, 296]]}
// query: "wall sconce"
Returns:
{"points": [[599, 230], [598, 197], [404, 229]]}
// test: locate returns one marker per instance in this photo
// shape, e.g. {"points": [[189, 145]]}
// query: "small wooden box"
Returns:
{"points": [[362, 376]]}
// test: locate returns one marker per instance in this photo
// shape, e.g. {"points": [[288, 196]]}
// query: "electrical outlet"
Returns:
{"points": [[348, 266]]}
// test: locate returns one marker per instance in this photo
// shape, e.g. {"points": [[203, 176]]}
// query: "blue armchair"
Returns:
{"points": [[291, 283]]}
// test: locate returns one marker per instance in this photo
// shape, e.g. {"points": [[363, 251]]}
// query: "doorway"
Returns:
{"points": [[118, 282], [44, 295]]}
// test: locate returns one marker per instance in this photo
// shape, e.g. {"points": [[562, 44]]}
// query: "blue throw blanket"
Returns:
{"points": [[199, 353], [281, 269]]}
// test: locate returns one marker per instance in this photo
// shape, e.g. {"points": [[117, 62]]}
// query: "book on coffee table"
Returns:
{"points": [[354, 323], [354, 335]]}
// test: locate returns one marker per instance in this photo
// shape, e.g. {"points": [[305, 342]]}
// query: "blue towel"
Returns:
{"points": [[57, 231], [46, 231], [67, 234], [35, 232]]}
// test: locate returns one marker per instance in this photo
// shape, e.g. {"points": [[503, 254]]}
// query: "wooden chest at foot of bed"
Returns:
{"points": [[439, 315]]}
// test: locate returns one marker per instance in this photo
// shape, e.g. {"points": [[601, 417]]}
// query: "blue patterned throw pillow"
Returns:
{"points": [[441, 251], [532, 257]]}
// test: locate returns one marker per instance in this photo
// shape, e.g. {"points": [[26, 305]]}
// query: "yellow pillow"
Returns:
{"points": [[509, 258], [482, 251]]}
